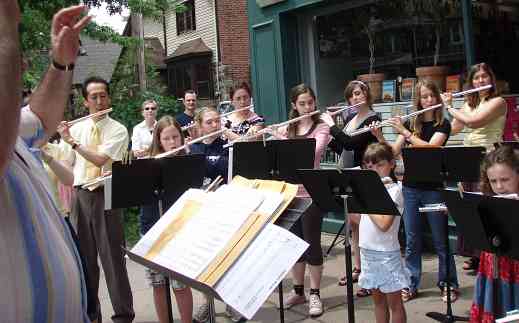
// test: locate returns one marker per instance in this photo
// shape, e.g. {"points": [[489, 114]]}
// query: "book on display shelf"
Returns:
{"points": [[407, 89]]}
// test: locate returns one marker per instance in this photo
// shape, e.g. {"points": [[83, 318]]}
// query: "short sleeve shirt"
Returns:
{"points": [[41, 274], [114, 143]]}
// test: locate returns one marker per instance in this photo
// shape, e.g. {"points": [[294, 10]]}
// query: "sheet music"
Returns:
{"points": [[258, 271], [207, 232]]}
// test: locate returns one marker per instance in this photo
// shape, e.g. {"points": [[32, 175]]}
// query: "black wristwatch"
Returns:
{"points": [[60, 67]]}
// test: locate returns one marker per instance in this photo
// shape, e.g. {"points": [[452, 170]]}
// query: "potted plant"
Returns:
{"points": [[434, 12], [368, 24]]}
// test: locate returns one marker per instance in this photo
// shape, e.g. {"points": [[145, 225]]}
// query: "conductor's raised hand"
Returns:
{"points": [[66, 26]]}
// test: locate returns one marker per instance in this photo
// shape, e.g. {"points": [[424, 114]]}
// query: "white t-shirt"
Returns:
{"points": [[142, 136], [371, 237]]}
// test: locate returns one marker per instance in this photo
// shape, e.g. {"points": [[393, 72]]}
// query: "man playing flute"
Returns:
{"points": [[95, 143]]}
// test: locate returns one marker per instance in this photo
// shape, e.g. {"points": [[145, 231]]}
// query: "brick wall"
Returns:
{"points": [[234, 41]]}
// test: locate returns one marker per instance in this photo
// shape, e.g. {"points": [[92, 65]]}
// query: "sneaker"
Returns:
{"points": [[233, 314], [315, 307], [455, 293], [202, 313], [293, 300]]}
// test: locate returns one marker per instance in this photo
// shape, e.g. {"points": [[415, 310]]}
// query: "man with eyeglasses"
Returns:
{"points": [[142, 134]]}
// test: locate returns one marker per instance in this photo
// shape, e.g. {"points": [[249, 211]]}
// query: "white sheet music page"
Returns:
{"points": [[258, 271], [199, 241]]}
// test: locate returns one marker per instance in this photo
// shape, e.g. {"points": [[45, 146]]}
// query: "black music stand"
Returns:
{"points": [[442, 164], [149, 181], [486, 224], [273, 160], [348, 190]]}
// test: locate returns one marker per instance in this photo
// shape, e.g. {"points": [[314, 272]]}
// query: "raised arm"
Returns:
{"points": [[10, 76], [50, 98]]}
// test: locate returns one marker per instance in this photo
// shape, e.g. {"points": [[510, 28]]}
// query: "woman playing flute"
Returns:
{"points": [[429, 128], [484, 113], [352, 150], [245, 122], [303, 101], [167, 136]]}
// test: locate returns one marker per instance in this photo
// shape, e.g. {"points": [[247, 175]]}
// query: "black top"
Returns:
{"points": [[216, 155], [358, 144], [428, 130], [184, 119]]}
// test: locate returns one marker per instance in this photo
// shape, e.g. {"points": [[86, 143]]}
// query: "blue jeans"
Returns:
{"points": [[413, 199], [148, 216]]}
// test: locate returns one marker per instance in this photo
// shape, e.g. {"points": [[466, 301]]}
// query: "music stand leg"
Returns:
{"points": [[212, 310], [447, 317], [168, 301], [167, 289], [348, 265], [336, 238], [281, 309]]}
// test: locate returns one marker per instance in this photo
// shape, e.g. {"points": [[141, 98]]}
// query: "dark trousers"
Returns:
{"points": [[308, 228], [100, 233]]}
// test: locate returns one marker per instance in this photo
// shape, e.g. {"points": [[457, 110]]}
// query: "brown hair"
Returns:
{"points": [[243, 86], [164, 122], [200, 114], [416, 123], [378, 151], [473, 98], [295, 92], [503, 155], [348, 91]]}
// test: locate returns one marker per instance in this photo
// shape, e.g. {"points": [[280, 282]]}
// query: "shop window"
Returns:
{"points": [[186, 20]]}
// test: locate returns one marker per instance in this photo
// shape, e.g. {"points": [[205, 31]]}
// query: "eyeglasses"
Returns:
{"points": [[148, 109]]}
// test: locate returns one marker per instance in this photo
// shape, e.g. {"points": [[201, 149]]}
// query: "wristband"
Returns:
{"points": [[60, 67], [75, 145]]}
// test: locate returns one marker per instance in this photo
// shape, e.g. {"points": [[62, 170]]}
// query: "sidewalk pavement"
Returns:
{"points": [[332, 295]]}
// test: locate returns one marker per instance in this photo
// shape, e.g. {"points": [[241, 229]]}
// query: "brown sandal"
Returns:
{"points": [[355, 273], [408, 295], [363, 292]]}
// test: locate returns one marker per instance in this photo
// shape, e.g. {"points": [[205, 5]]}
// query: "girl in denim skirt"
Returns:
{"points": [[383, 270]]}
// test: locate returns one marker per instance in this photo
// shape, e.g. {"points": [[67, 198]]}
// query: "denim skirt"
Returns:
{"points": [[383, 270]]}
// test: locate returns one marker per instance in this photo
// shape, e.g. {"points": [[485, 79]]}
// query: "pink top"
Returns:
{"points": [[321, 133]]}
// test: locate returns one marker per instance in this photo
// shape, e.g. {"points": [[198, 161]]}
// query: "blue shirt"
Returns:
{"points": [[217, 157]]}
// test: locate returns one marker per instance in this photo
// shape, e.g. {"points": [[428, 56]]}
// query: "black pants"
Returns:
{"points": [[308, 228]]}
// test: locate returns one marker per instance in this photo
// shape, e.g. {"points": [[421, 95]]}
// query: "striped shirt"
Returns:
{"points": [[41, 276]]}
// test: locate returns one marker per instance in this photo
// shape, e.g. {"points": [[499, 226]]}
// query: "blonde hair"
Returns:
{"points": [[416, 122]]}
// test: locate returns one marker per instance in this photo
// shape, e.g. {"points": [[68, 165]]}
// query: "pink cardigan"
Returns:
{"points": [[321, 134]]}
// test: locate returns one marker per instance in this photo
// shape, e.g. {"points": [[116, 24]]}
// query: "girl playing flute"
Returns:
{"points": [[208, 121], [351, 150], [499, 176], [167, 136], [383, 271], [484, 113], [429, 128], [303, 101]]}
